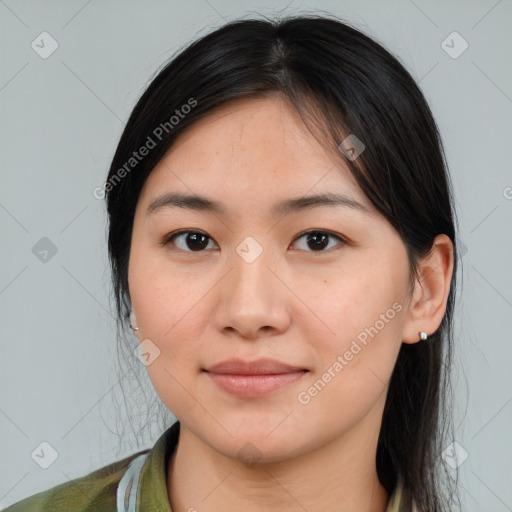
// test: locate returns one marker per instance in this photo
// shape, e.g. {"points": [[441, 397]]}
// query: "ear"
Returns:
{"points": [[431, 289]]}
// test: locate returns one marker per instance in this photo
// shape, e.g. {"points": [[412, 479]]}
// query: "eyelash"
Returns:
{"points": [[170, 237]]}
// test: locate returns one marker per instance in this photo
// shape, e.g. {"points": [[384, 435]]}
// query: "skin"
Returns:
{"points": [[295, 303]]}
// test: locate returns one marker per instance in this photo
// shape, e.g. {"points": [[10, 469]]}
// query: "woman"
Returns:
{"points": [[282, 242]]}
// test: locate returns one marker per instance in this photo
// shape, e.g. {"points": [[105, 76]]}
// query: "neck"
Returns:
{"points": [[340, 475]]}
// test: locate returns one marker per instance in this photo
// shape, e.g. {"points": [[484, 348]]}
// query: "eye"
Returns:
{"points": [[196, 241], [318, 240]]}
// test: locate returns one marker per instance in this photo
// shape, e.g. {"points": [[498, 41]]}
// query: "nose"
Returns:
{"points": [[253, 300]]}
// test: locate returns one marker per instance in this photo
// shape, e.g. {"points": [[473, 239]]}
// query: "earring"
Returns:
{"points": [[423, 335], [132, 321]]}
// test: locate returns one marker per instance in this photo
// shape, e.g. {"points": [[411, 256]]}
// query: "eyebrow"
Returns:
{"points": [[201, 203]]}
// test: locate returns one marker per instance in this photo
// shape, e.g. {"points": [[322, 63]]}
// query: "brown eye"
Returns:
{"points": [[191, 241], [318, 240], [196, 241]]}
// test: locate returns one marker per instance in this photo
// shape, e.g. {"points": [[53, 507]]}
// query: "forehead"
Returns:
{"points": [[258, 130], [251, 150]]}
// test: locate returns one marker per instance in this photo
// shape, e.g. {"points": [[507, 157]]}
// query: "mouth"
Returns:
{"points": [[252, 386], [253, 379], [262, 366]]}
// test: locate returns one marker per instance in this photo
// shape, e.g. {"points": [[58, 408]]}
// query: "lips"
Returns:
{"points": [[253, 379], [262, 366]]}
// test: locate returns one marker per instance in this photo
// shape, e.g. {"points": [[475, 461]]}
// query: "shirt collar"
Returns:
{"points": [[153, 480]]}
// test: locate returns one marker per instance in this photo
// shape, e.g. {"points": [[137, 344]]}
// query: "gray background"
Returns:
{"points": [[61, 120]]}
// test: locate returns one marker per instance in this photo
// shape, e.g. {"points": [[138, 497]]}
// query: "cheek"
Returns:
{"points": [[355, 365], [170, 310], [173, 324], [164, 297], [354, 298], [171, 379], [362, 319]]}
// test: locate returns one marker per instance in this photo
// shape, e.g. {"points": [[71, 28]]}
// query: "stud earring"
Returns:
{"points": [[132, 322], [423, 335]]}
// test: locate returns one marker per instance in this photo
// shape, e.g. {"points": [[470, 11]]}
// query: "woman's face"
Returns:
{"points": [[254, 286]]}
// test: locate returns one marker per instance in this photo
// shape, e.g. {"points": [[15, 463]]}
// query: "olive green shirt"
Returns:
{"points": [[97, 491]]}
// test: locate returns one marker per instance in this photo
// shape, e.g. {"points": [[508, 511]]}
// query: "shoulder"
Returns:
{"points": [[95, 492]]}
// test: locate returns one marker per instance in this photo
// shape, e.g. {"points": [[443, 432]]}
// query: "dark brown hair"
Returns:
{"points": [[341, 82]]}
